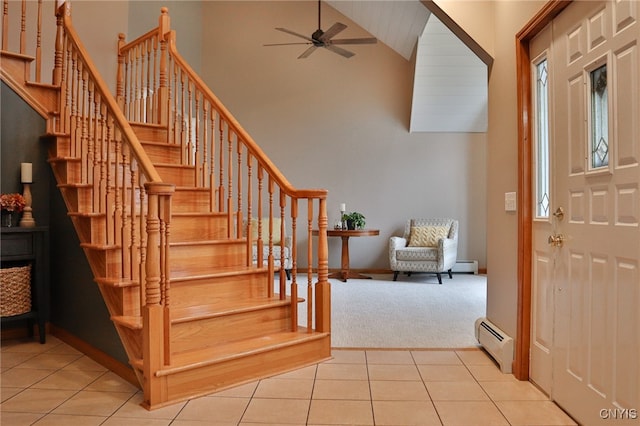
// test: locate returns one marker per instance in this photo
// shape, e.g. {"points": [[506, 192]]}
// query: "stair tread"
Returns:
{"points": [[223, 271], [226, 307], [220, 352]]}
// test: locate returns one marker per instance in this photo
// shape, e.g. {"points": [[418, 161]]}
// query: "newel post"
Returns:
{"points": [[164, 34], [323, 287], [155, 312]]}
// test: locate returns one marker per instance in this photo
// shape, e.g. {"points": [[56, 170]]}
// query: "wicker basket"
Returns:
{"points": [[15, 290]]}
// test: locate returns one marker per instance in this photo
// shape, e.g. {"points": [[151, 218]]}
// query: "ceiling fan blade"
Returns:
{"points": [[331, 32], [307, 52], [285, 44], [340, 51], [369, 40], [284, 30]]}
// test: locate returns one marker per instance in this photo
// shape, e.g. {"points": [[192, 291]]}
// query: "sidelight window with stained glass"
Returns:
{"points": [[542, 139], [599, 149]]}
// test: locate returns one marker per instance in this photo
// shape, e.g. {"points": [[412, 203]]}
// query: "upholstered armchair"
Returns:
{"points": [[428, 245], [282, 257]]}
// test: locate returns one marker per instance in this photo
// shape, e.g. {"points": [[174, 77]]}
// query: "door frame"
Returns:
{"points": [[525, 157]]}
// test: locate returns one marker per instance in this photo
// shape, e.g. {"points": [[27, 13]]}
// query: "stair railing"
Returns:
{"points": [[118, 182], [23, 31], [155, 85]]}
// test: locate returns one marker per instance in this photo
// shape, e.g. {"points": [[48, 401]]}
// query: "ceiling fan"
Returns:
{"points": [[325, 39]]}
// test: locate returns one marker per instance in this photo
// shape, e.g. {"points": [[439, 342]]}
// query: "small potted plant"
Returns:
{"points": [[355, 220], [10, 203]]}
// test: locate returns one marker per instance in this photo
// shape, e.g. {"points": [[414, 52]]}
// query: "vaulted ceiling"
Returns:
{"points": [[398, 24], [450, 92]]}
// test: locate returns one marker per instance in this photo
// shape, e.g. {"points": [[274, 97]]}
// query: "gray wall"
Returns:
{"points": [[342, 124], [76, 303]]}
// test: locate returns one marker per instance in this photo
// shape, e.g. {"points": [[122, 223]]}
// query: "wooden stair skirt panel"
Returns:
{"points": [[236, 363]]}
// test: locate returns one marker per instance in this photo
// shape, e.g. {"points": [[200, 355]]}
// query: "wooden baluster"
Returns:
{"points": [[164, 33], [102, 191], [82, 106], [95, 166], [133, 237], [204, 172], [59, 50], [23, 31], [212, 162], [118, 181], [39, 45], [5, 25], [270, 189], [65, 94], [229, 206], [125, 213], [143, 240], [283, 275], [137, 74], [120, 74], [148, 89], [74, 112], [90, 131], [323, 288], [247, 226], [239, 186], [309, 263], [259, 242], [109, 208], [221, 167], [198, 149], [174, 122], [183, 139], [131, 84], [294, 284], [188, 121], [156, 116]]}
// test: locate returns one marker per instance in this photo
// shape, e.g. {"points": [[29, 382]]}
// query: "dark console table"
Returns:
{"points": [[21, 246]]}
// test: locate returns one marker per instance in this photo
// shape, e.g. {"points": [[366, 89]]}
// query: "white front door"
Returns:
{"points": [[595, 251]]}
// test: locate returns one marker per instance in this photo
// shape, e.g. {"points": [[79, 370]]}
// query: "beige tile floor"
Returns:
{"points": [[53, 384]]}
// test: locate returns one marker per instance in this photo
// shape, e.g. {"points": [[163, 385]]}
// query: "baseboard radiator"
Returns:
{"points": [[466, 267], [496, 342]]}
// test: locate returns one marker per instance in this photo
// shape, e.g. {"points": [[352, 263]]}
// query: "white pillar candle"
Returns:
{"points": [[26, 172], [343, 207]]}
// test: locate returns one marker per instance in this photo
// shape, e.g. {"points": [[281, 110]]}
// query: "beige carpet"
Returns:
{"points": [[413, 312]]}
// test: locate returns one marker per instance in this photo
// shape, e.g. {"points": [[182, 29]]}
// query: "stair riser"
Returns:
{"points": [[59, 147], [146, 132], [121, 301], [104, 262], [191, 201], [210, 290], [79, 200], [132, 340], [67, 171], [195, 228], [164, 154], [215, 331], [223, 375], [206, 257], [180, 176], [90, 229]]}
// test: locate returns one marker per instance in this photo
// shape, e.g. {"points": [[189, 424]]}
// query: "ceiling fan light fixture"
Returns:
{"points": [[321, 38]]}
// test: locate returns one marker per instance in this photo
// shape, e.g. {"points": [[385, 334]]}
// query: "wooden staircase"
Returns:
{"points": [[159, 182]]}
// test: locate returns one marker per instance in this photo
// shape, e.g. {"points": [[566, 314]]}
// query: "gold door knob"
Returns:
{"points": [[559, 213], [556, 240]]}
